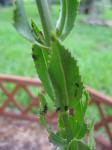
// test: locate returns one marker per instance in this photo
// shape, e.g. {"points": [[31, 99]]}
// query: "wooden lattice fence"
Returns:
{"points": [[10, 105]]}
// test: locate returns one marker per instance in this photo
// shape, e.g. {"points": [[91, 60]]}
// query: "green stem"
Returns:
{"points": [[44, 13], [61, 20]]}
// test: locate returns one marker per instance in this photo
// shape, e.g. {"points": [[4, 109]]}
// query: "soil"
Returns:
{"points": [[23, 135]]}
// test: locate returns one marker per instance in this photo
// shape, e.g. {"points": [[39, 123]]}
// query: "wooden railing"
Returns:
{"points": [[10, 105]]}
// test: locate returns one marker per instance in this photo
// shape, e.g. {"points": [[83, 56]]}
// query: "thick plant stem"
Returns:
{"points": [[44, 13]]}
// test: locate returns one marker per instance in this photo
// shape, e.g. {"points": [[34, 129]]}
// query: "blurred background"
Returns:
{"points": [[90, 42]]}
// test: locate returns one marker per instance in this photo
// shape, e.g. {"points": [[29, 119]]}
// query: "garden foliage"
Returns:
{"points": [[58, 72]]}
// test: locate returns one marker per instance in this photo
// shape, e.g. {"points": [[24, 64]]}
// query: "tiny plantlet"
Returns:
{"points": [[58, 72]]}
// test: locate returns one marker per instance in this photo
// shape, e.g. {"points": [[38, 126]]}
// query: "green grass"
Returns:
{"points": [[107, 15], [15, 51]]}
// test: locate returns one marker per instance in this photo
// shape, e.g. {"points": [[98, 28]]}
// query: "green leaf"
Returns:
{"points": [[79, 110], [91, 140], [57, 140], [42, 100], [21, 21], [71, 13], [35, 28], [78, 128], [60, 121], [65, 76], [77, 145], [85, 101], [38, 33], [42, 121], [57, 75], [40, 59]]}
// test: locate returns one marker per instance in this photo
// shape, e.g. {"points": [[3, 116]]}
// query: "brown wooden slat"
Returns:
{"points": [[105, 124], [20, 80], [99, 97], [99, 124]]}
